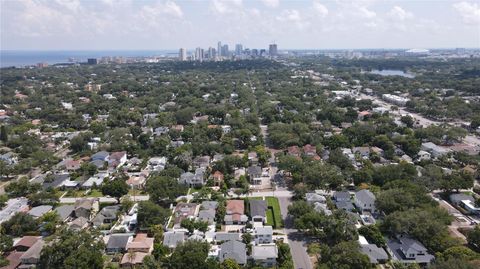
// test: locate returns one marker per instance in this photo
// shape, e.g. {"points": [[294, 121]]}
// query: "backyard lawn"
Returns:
{"points": [[272, 202]]}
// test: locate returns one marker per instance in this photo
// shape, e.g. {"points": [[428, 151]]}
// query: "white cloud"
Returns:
{"points": [[399, 13], [271, 3], [226, 6], [470, 12], [320, 9], [366, 13], [291, 15]]}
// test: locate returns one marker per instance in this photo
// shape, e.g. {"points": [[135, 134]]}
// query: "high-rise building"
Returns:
{"points": [[219, 48], [199, 54], [238, 49], [182, 54], [92, 61], [225, 51], [272, 50], [211, 53]]}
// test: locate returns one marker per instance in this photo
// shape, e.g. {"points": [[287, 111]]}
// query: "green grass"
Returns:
{"points": [[95, 193], [277, 214], [270, 219]]}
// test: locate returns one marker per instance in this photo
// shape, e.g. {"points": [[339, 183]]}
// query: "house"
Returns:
{"points": [[207, 211], [98, 163], [435, 150], [365, 200], [347, 206], [226, 129], [117, 159], [363, 152], [56, 181], [312, 198], [13, 259], [263, 235], [79, 223], [157, 163], [26, 242], [254, 171], [64, 212], [100, 156], [342, 196], [107, 215], [363, 115], [178, 128], [72, 165], [193, 180], [201, 161], [38, 211], [132, 259], [234, 250], [252, 158], [466, 202], [84, 207], [423, 155], [405, 249], [172, 239], [235, 212], [374, 253], [184, 211], [117, 243], [9, 158], [294, 151], [160, 131], [457, 198], [266, 255], [322, 208], [309, 150], [13, 206], [225, 236], [96, 179], [141, 243], [32, 256], [217, 178], [258, 210]]}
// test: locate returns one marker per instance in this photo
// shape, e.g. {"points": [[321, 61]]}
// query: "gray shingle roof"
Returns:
{"points": [[374, 253], [365, 196], [118, 241], [258, 208], [64, 211], [233, 250], [39, 211], [172, 239]]}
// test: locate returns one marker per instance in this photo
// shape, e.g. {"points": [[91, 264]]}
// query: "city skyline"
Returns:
{"points": [[169, 25]]}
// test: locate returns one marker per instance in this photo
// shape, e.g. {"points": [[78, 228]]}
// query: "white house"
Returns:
{"points": [[365, 200]]}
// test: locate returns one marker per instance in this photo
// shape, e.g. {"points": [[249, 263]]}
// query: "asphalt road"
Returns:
{"points": [[297, 242]]}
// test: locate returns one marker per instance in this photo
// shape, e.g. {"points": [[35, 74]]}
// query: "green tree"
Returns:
{"points": [[21, 188], [72, 249], [164, 190], [150, 214], [372, 234], [20, 224], [4, 133], [473, 237], [344, 255], [230, 264], [115, 188], [191, 254]]}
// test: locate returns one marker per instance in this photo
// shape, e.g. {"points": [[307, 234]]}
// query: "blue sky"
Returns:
{"points": [[301, 24]]}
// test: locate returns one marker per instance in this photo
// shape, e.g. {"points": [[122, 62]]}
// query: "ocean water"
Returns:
{"points": [[19, 58]]}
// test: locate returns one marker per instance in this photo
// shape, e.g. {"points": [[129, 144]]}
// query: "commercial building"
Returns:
{"points": [[272, 50], [182, 54]]}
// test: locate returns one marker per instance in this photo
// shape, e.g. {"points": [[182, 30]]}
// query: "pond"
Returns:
{"points": [[392, 72]]}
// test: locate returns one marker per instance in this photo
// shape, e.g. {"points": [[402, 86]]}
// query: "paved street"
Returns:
{"points": [[295, 239]]}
